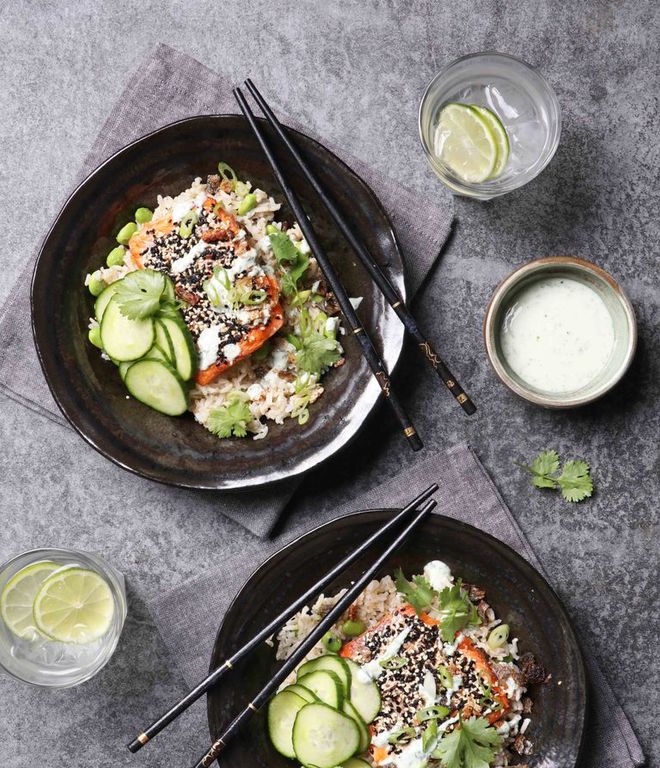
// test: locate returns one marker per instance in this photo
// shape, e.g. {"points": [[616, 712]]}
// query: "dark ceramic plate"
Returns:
{"points": [[88, 390], [519, 595]]}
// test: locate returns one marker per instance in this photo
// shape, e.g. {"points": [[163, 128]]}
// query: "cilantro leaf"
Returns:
{"points": [[293, 262], [575, 482], [546, 463], [456, 610], [317, 353], [231, 418], [283, 248], [474, 744], [418, 593], [139, 293]]}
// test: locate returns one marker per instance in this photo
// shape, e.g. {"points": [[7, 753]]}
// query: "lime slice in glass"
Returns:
{"points": [[501, 136], [74, 605], [465, 143], [18, 595]]}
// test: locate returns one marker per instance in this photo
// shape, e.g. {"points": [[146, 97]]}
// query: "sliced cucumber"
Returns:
{"points": [[103, 300], [156, 353], [324, 737], [355, 762], [124, 339], [163, 340], [365, 737], [325, 685], [282, 712], [157, 385], [182, 345], [123, 367], [364, 696], [303, 692], [331, 663]]}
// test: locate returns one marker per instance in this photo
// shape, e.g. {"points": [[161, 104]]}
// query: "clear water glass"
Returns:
{"points": [[520, 96], [40, 661]]}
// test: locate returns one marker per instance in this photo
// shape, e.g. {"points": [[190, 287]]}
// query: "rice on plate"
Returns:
{"points": [[254, 304], [450, 678]]}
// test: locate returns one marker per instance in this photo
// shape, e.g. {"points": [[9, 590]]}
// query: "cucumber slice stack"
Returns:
{"points": [[155, 355], [322, 719], [472, 142]]}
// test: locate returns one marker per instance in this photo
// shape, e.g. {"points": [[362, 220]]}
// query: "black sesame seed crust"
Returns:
{"points": [[166, 249], [424, 651]]}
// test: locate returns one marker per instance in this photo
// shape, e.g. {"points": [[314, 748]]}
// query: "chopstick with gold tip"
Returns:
{"points": [[199, 690], [373, 268], [314, 636], [368, 350]]}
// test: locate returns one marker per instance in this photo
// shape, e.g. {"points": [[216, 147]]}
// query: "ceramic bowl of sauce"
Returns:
{"points": [[560, 332]]}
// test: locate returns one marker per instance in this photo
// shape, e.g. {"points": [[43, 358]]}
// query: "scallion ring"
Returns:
{"points": [[431, 713], [187, 223], [254, 297], [446, 677], [404, 733], [498, 637], [228, 174], [394, 662]]}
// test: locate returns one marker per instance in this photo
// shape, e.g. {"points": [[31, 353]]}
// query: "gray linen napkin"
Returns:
{"points": [[466, 493], [171, 86]]}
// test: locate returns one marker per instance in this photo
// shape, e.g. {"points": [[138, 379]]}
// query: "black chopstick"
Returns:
{"points": [[314, 636], [199, 690], [388, 290], [368, 350]]}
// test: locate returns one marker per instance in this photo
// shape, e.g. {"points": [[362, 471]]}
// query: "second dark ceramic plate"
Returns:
{"points": [[519, 595], [88, 390]]}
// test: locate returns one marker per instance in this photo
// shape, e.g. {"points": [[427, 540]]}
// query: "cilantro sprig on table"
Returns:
{"points": [[231, 418], [452, 605], [574, 480], [473, 744]]}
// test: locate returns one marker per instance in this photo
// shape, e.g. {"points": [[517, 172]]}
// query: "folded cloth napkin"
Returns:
{"points": [[466, 493], [169, 87]]}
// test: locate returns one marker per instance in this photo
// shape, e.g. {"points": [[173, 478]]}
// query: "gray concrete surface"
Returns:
{"points": [[355, 71]]}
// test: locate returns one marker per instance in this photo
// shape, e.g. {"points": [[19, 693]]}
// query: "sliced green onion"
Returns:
{"points": [[228, 174], [220, 274], [241, 188], [394, 662], [353, 628], [429, 713], [398, 736], [187, 223], [247, 204], [498, 637], [254, 297], [303, 416], [430, 735], [294, 341], [446, 677], [331, 642]]}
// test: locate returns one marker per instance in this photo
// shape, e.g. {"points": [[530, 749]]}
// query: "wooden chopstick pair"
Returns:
{"points": [[158, 725]]}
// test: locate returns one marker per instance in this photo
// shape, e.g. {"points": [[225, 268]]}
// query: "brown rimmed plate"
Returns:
{"points": [[520, 596], [89, 391]]}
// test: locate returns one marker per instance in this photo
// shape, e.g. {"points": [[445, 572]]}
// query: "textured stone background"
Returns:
{"points": [[355, 71]]}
